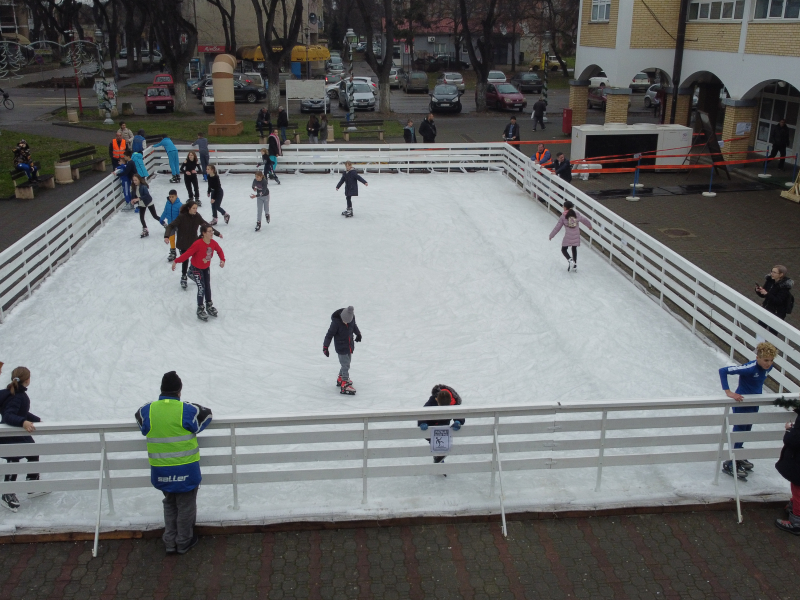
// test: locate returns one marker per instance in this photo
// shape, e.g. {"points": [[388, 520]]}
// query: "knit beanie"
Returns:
{"points": [[347, 314], [171, 383]]}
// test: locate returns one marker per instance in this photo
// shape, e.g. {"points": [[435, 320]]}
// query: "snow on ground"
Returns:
{"points": [[453, 280]]}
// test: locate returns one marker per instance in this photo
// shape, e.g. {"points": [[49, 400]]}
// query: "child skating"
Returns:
{"points": [[261, 195], [570, 220], [350, 179], [172, 208], [343, 327], [146, 203], [182, 232], [216, 194], [201, 253]]}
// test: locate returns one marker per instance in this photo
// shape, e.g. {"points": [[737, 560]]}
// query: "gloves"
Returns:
{"points": [[358, 337], [423, 426], [325, 351], [456, 425]]}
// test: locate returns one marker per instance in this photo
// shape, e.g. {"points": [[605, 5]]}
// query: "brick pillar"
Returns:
{"points": [[617, 105], [578, 99], [739, 111], [683, 110]]}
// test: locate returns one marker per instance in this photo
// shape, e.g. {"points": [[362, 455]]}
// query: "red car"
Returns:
{"points": [[158, 99], [504, 96], [165, 79]]}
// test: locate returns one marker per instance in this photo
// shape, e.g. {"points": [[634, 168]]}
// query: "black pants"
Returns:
{"points": [[152, 210], [16, 459], [191, 184], [566, 253], [349, 203], [184, 264], [216, 205], [202, 277], [778, 150], [539, 120]]}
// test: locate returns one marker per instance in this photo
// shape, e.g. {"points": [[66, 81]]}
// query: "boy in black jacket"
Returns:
{"points": [[442, 395]]}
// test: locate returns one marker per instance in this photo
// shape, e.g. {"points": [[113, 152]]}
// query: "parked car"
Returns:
{"points": [[282, 79], [651, 95], [450, 78], [445, 61], [552, 63], [157, 98], [363, 98], [201, 85], [245, 92], [145, 54], [335, 64], [504, 96], [445, 97], [315, 104], [333, 90], [415, 81], [394, 78], [165, 79], [208, 99], [601, 77], [527, 82], [252, 78], [496, 77], [333, 78], [597, 97], [639, 83]]}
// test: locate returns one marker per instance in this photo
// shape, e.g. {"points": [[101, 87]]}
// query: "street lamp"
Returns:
{"points": [[350, 38]]}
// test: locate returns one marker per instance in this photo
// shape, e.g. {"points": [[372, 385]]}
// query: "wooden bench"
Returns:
{"points": [[24, 189], [364, 127], [97, 164]]}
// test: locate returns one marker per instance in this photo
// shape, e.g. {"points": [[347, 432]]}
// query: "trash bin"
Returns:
{"points": [[566, 121], [63, 172]]}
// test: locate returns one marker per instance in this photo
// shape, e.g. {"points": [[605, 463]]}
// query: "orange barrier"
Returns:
{"points": [[681, 167]]}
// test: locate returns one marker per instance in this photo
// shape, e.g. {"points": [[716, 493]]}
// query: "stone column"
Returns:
{"points": [[225, 123], [739, 111], [683, 109], [578, 99], [617, 101]]}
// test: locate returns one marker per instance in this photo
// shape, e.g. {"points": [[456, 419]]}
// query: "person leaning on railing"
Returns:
{"points": [[442, 395]]}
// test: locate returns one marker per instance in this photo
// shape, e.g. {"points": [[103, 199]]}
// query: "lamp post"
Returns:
{"points": [[308, 65], [350, 39]]}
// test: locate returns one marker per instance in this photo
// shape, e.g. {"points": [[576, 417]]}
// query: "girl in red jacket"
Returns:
{"points": [[201, 252]]}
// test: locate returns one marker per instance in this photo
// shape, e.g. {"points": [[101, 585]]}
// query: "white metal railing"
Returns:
{"points": [[364, 445]]}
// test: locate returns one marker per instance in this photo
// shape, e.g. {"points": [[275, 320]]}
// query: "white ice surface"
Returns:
{"points": [[453, 280]]}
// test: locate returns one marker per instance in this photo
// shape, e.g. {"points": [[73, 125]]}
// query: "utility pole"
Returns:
{"points": [[680, 39]]}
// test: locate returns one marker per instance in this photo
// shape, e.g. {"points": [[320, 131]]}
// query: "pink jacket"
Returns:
{"points": [[572, 231]]}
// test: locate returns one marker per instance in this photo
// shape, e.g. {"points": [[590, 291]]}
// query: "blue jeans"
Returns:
{"points": [[30, 171], [743, 409], [204, 160], [126, 188], [283, 134]]}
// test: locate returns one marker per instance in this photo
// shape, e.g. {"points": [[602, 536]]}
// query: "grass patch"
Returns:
{"points": [[45, 151]]}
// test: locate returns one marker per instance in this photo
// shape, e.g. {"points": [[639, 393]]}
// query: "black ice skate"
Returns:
{"points": [[258, 225], [227, 218], [201, 313], [347, 388], [10, 502], [267, 219], [210, 309], [274, 178], [183, 281], [347, 213], [172, 254], [199, 204], [727, 468], [144, 233]]}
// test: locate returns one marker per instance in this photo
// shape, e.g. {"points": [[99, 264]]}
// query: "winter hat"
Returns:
{"points": [[171, 383], [347, 314]]}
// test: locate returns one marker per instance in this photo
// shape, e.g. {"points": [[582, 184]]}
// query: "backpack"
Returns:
{"points": [[789, 304]]}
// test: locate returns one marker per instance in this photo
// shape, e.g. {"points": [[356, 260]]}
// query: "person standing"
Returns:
{"points": [[201, 253], [274, 146], [537, 114], [563, 168], [409, 135], [16, 406], [442, 395], [171, 427], [511, 133], [342, 329], [788, 466], [752, 376], [182, 231], [350, 179], [780, 140], [216, 194], [262, 122], [146, 201], [283, 123], [427, 130], [542, 156], [202, 147], [172, 155], [312, 127], [323, 130], [261, 189], [116, 149], [571, 221], [126, 133], [139, 143], [776, 292], [190, 168]]}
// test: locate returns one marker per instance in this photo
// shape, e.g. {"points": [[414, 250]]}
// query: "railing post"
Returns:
{"points": [[234, 470], [601, 452], [732, 458], [494, 456], [99, 493], [721, 443], [694, 318], [364, 464], [500, 476], [663, 283], [109, 495]]}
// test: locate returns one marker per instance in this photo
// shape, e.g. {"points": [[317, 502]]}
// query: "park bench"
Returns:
{"points": [[96, 163], [364, 127], [24, 189]]}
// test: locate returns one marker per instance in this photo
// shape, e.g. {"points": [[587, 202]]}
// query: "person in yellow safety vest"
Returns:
{"points": [[171, 427], [542, 156], [116, 149]]}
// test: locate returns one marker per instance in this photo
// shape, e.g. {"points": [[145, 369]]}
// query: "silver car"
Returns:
{"points": [[450, 78], [315, 105], [651, 95], [496, 77]]}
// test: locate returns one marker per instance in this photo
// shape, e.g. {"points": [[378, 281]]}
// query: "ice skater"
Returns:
{"points": [[751, 381], [146, 201], [201, 253], [182, 232], [261, 189], [343, 327], [350, 179], [570, 220], [190, 168], [274, 143], [172, 155], [442, 395], [202, 146], [172, 209], [216, 194]]}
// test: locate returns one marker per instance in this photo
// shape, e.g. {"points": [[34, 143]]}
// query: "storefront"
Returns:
{"points": [[777, 102]]}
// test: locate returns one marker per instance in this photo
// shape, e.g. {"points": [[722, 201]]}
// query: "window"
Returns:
{"points": [[777, 102], [440, 48], [714, 11], [601, 10], [777, 9]]}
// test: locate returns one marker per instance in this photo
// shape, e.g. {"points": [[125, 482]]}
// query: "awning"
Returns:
{"points": [[310, 53], [253, 53]]}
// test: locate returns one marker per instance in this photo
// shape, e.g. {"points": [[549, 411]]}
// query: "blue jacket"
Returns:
{"points": [[167, 144], [128, 170], [341, 333], [138, 160], [181, 478], [138, 143], [350, 180], [15, 409], [751, 377], [171, 210]]}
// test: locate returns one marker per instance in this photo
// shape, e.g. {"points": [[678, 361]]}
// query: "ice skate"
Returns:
{"points": [[127, 207], [183, 281], [144, 233], [10, 502], [37, 494], [267, 219], [748, 466], [199, 203], [213, 222], [227, 218], [569, 264], [201, 313], [347, 213], [339, 381], [258, 225], [210, 309], [172, 254], [727, 468], [574, 267], [347, 387]]}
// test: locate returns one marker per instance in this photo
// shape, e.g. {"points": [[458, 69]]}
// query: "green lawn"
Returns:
{"points": [[45, 151]]}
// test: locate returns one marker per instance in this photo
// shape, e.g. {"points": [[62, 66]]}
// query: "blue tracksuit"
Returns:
{"points": [[126, 172], [171, 211], [172, 154], [138, 160], [751, 381]]}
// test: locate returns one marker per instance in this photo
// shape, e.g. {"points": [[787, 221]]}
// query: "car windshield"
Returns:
{"points": [[496, 75], [209, 91], [336, 60], [506, 88], [530, 77], [453, 76], [361, 88], [166, 79], [152, 92], [418, 76], [445, 90]]}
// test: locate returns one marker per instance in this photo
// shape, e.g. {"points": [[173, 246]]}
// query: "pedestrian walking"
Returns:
{"points": [[23, 161], [442, 395], [125, 133], [216, 194], [788, 466], [283, 123], [511, 133], [312, 128], [172, 155], [537, 114], [341, 331], [190, 168], [563, 168], [427, 129], [263, 122], [201, 252], [261, 189], [781, 134], [323, 130], [139, 143], [182, 232], [171, 427], [570, 220], [350, 179], [752, 376], [777, 293], [116, 148], [202, 146], [146, 202], [409, 135]]}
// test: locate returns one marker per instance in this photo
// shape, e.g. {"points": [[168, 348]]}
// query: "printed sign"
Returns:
{"points": [[211, 48], [300, 90], [441, 441], [743, 128]]}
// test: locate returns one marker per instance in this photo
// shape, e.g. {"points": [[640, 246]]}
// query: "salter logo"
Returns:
{"points": [[172, 478]]}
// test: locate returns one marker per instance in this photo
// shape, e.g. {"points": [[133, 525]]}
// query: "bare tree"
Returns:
{"points": [[560, 18], [228, 23], [135, 22], [513, 13], [177, 37], [479, 43], [414, 13], [379, 14], [106, 14], [274, 46]]}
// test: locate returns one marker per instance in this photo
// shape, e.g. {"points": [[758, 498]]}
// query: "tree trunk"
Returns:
{"points": [[180, 90], [385, 92], [480, 95], [274, 90]]}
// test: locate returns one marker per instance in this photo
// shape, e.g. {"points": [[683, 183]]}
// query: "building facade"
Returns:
{"points": [[741, 56]]}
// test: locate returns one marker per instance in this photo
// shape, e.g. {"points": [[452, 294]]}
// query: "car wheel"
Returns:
{"points": [[520, 109], [430, 107], [498, 105], [647, 102], [588, 104], [251, 98], [458, 108], [149, 110]]}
